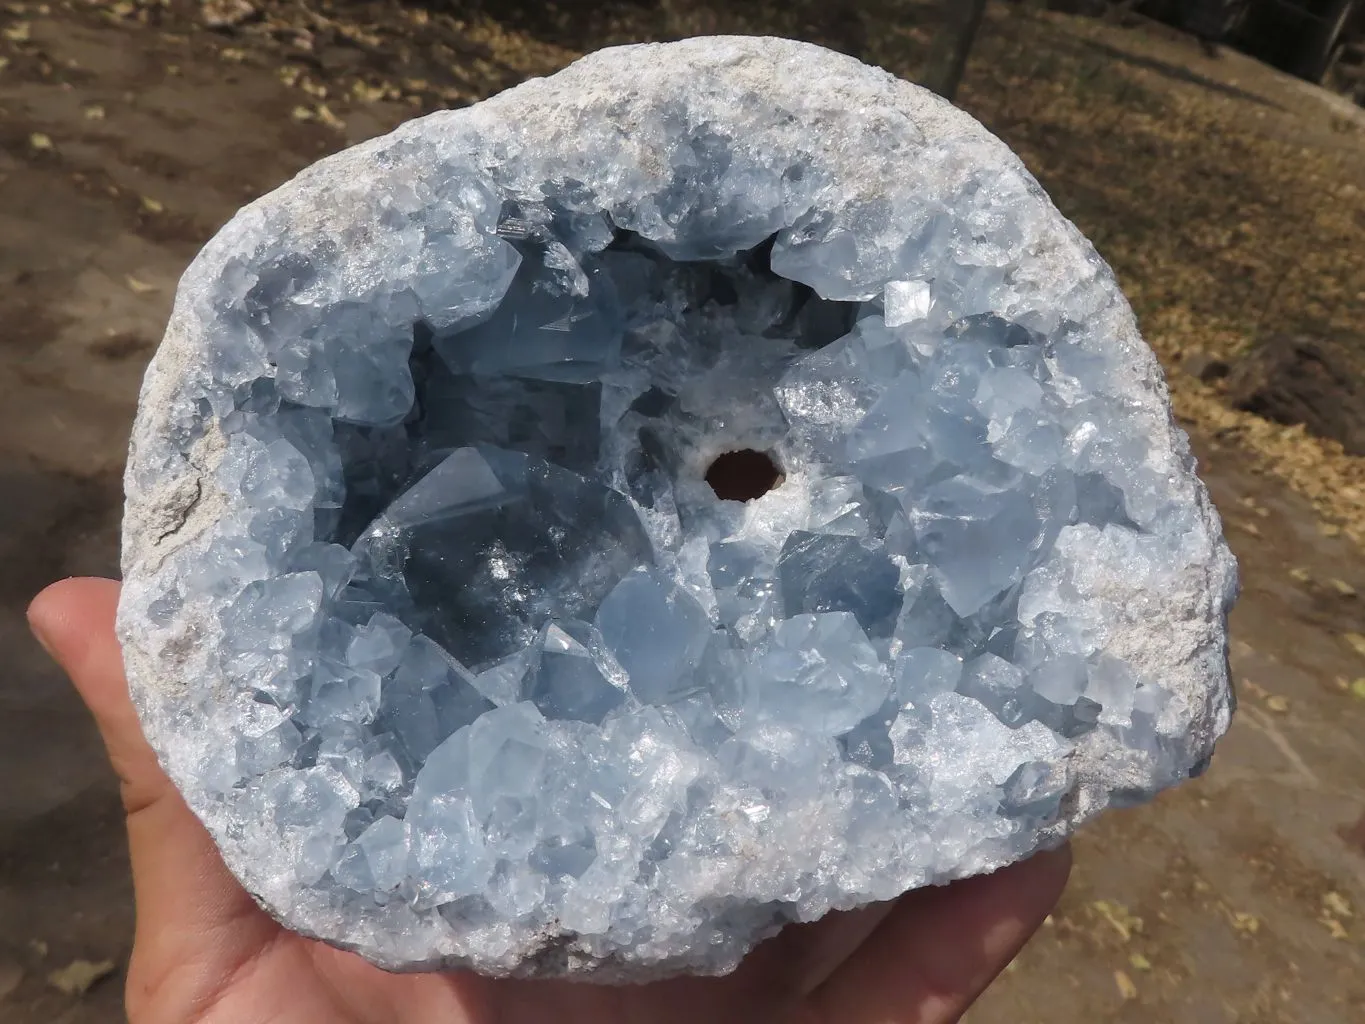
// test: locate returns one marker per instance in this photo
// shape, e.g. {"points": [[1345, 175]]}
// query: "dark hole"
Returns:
{"points": [[743, 475]]}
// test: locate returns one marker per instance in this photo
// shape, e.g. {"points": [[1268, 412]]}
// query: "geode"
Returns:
{"points": [[442, 605]]}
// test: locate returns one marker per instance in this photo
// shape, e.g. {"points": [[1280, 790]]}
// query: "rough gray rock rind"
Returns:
{"points": [[855, 126]]}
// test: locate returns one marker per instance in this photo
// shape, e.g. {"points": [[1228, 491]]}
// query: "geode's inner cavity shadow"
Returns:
{"points": [[613, 544], [743, 475], [507, 491]]}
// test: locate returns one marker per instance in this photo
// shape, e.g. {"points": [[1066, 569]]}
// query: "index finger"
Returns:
{"points": [[941, 946]]}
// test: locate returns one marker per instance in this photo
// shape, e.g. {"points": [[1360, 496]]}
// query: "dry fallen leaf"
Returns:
{"points": [[1334, 927], [18, 32], [4, 63], [76, 977], [1254, 689], [1119, 918], [140, 287], [223, 14], [40, 142], [1125, 985], [1244, 922], [1343, 588], [325, 116], [94, 112], [1336, 903], [1356, 641], [1139, 962], [1358, 688], [301, 113], [366, 93], [1277, 704], [1301, 574], [151, 205]]}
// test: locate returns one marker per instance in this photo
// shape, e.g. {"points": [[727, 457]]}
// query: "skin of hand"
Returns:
{"points": [[205, 953]]}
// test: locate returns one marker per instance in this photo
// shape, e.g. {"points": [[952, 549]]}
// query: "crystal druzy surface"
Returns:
{"points": [[434, 617]]}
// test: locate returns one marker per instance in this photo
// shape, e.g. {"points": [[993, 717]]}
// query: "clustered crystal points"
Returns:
{"points": [[484, 670]]}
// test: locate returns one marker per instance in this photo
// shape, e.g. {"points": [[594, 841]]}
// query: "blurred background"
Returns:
{"points": [[1214, 153]]}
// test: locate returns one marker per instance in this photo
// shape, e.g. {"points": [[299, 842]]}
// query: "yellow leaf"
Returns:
{"points": [[1343, 588], [1358, 688], [151, 205], [1119, 918], [325, 116], [1334, 927], [4, 63], [1245, 922], [1140, 962], [94, 113], [1277, 704], [232, 55], [1329, 529], [301, 114], [368, 93], [1301, 574], [140, 287], [1336, 903], [1356, 641], [39, 141], [1125, 985], [76, 977], [18, 32]]}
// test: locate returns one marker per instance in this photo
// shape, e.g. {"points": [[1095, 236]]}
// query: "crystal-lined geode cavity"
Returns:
{"points": [[432, 613]]}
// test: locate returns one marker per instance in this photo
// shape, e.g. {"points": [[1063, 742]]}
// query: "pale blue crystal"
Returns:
{"points": [[820, 673], [657, 632], [569, 678], [482, 664], [822, 572], [490, 545]]}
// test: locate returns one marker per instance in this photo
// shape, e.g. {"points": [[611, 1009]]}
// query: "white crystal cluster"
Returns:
{"points": [[433, 616]]}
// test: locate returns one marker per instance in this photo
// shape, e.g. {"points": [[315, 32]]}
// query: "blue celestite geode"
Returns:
{"points": [[440, 605]]}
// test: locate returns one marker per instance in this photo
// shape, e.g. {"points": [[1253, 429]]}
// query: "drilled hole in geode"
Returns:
{"points": [[743, 475]]}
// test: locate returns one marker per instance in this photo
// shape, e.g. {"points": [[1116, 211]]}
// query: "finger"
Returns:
{"points": [[193, 919], [940, 947], [74, 621], [831, 941]]}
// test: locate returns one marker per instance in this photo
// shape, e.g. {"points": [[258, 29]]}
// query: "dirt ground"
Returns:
{"points": [[1230, 199]]}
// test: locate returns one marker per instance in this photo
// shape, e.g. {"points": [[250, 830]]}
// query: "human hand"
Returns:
{"points": [[205, 953]]}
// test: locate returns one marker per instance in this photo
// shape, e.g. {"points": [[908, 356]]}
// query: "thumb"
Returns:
{"points": [[192, 916], [74, 621]]}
